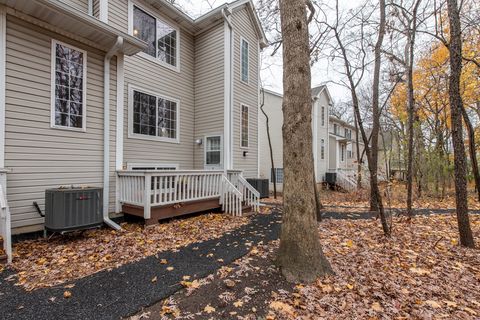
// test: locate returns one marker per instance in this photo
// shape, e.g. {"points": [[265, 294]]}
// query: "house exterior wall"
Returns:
{"points": [[81, 5], [118, 14], [321, 133], [245, 93], [209, 88], [144, 74], [273, 108], [41, 157]]}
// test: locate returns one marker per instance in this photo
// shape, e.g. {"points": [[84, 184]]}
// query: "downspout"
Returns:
{"points": [[106, 132], [90, 7], [229, 100]]}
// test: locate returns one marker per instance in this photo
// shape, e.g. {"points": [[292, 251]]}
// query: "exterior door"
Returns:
{"points": [[213, 153]]}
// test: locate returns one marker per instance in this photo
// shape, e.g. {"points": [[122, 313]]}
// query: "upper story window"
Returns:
{"points": [[244, 49], [161, 37], [323, 116], [335, 128], [69, 91], [153, 116], [244, 127]]}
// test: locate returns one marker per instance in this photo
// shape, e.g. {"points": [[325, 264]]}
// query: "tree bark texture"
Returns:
{"points": [[456, 106], [300, 255]]}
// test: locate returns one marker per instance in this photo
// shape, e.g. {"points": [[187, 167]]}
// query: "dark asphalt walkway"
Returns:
{"points": [[125, 290]]}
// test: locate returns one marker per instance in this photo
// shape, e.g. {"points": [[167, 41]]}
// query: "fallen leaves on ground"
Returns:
{"points": [[418, 273], [395, 198], [45, 263]]}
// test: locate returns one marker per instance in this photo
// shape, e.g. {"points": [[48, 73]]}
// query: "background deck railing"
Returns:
{"points": [[157, 188], [5, 223]]}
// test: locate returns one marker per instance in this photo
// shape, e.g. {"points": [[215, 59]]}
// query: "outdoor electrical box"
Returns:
{"points": [[70, 209], [261, 185]]}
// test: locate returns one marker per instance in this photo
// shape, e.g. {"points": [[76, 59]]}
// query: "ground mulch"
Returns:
{"points": [[121, 292], [47, 262]]}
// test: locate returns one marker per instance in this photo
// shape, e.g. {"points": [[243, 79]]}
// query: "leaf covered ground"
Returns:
{"points": [[419, 273], [50, 262]]}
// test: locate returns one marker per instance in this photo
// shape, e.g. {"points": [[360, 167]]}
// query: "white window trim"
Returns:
{"points": [[146, 56], [52, 88], [132, 166], [132, 135], [241, 125], [241, 61], [209, 166]]}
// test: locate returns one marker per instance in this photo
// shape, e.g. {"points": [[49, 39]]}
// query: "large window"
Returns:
{"points": [[68, 93], [244, 126], [161, 37], [154, 116], [278, 172], [244, 59]]}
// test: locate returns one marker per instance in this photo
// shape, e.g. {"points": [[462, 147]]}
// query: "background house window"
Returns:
{"points": [[342, 153], [244, 51], [213, 150], [335, 128], [244, 126], [69, 86], [160, 36], [154, 116], [278, 172], [322, 149], [323, 116]]}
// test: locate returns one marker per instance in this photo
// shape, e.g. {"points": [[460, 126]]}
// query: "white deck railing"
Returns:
{"points": [[251, 197], [5, 223], [157, 188]]}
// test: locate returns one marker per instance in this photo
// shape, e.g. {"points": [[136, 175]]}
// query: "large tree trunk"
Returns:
{"points": [[472, 150], [300, 255], [456, 106]]}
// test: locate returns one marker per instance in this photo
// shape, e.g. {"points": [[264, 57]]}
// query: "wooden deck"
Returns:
{"points": [[156, 195], [172, 210]]}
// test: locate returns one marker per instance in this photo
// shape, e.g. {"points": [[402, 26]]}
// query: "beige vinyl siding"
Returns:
{"points": [[81, 5], [38, 156], [209, 87], [154, 77], [118, 14], [245, 93]]}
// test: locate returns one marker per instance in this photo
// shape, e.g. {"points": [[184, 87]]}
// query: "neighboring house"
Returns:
{"points": [[102, 92], [334, 146]]}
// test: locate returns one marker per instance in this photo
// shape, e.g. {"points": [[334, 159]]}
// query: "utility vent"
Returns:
{"points": [[68, 209], [261, 185]]}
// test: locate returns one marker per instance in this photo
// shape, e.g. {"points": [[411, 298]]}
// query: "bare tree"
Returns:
{"points": [[272, 164], [300, 255]]}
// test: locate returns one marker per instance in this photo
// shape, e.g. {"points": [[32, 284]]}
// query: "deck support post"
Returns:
{"points": [[147, 197]]}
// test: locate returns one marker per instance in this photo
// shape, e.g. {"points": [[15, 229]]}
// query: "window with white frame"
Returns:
{"points": [[213, 151], [342, 151], [154, 115], [68, 77], [323, 116], [244, 126], [244, 48], [161, 37], [322, 149], [278, 172]]}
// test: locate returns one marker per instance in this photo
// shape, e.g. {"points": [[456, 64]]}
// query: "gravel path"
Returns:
{"points": [[125, 290]]}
